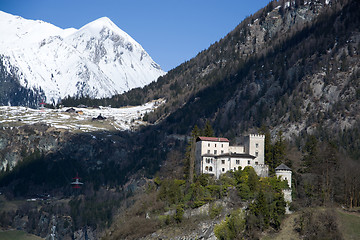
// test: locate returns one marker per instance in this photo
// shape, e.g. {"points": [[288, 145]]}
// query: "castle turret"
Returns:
{"points": [[284, 172]]}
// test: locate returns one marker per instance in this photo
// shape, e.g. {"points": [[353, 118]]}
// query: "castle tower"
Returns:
{"points": [[284, 172], [256, 147]]}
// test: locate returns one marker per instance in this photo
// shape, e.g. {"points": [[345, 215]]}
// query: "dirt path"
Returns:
{"points": [[357, 214]]}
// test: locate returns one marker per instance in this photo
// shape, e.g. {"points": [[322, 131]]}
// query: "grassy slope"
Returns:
{"points": [[349, 224], [287, 231], [17, 235]]}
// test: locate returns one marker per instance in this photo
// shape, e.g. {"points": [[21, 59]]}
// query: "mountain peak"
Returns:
{"points": [[98, 60], [100, 23], [96, 27]]}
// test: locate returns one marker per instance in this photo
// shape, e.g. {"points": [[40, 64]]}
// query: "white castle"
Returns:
{"points": [[215, 156]]}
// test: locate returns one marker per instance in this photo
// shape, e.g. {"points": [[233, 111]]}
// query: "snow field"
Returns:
{"points": [[126, 118]]}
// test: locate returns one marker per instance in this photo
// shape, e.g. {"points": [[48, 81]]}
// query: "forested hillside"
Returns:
{"points": [[289, 66], [290, 71]]}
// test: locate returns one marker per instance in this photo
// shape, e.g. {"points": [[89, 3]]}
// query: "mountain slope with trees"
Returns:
{"points": [[291, 66], [288, 71]]}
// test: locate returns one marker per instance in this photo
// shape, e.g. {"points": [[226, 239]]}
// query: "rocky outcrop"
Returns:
{"points": [[18, 143]]}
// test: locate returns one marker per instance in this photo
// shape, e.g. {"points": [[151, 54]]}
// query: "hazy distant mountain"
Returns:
{"points": [[98, 60]]}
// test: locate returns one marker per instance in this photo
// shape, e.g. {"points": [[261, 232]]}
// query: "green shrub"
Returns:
{"points": [[197, 204], [215, 210], [164, 219], [244, 191], [179, 213], [217, 191], [232, 227]]}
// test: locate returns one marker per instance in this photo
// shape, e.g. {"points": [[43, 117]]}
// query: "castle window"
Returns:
{"points": [[223, 169], [215, 151], [248, 162], [208, 144], [222, 161], [208, 151], [256, 145], [256, 154], [206, 168], [237, 161], [222, 151], [222, 145], [210, 169], [215, 144]]}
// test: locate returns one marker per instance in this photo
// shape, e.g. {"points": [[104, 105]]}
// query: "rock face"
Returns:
{"points": [[98, 60], [201, 229], [18, 142]]}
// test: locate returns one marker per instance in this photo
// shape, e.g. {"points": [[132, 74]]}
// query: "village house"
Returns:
{"points": [[215, 156]]}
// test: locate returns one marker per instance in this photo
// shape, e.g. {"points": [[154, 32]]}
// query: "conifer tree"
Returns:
{"points": [[278, 151], [208, 130], [311, 152], [190, 155]]}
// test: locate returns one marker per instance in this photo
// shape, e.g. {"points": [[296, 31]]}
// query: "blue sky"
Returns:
{"points": [[170, 31]]}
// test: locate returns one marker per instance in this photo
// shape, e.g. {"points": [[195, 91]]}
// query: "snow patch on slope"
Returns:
{"points": [[126, 118]]}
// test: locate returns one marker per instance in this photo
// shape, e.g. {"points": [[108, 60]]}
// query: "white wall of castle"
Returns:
{"points": [[237, 149], [203, 164], [211, 147], [217, 165], [256, 147], [262, 170], [284, 175]]}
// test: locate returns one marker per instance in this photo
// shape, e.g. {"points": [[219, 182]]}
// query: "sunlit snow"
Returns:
{"points": [[126, 118], [97, 60]]}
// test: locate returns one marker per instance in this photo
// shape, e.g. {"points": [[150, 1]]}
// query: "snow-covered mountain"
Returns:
{"points": [[98, 60]]}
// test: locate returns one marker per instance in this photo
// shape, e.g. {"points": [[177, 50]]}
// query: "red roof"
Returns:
{"points": [[212, 139]]}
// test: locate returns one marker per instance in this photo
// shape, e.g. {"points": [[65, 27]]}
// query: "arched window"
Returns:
{"points": [[206, 168], [210, 169]]}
